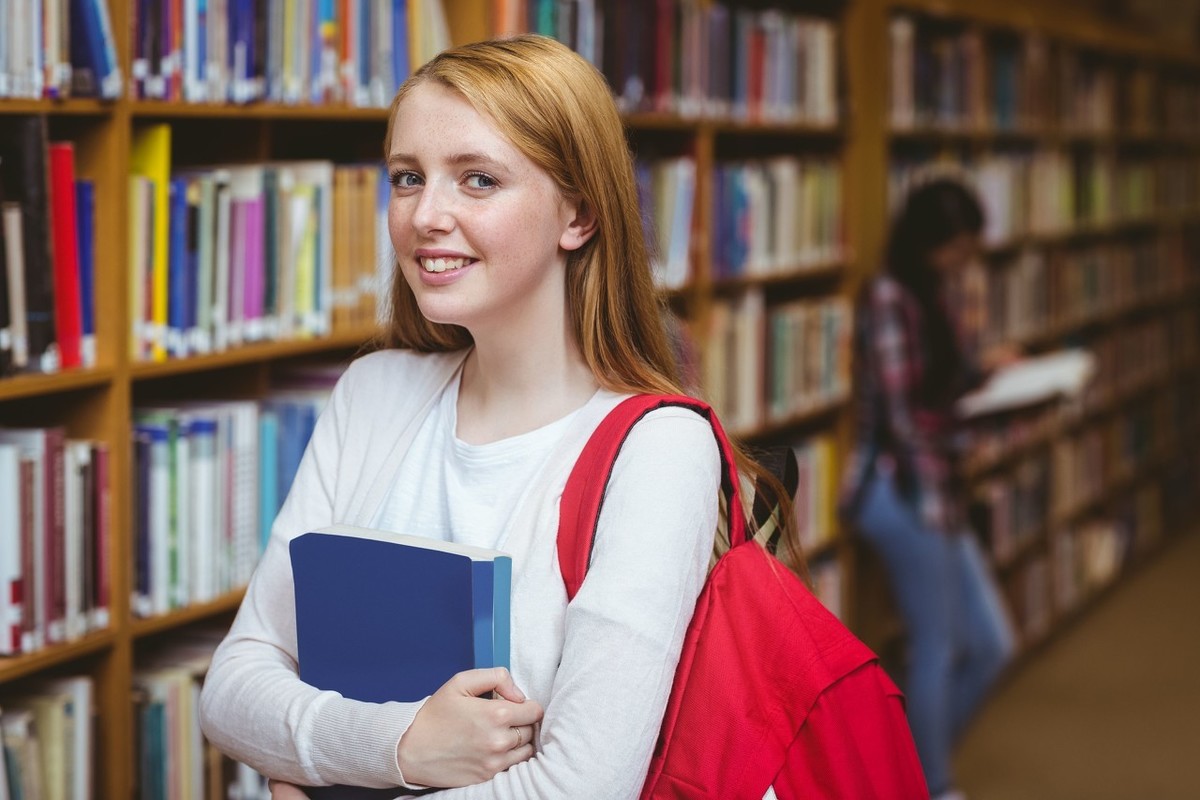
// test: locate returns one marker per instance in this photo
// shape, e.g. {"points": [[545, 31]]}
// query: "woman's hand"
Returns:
{"points": [[1001, 355], [285, 791], [461, 737]]}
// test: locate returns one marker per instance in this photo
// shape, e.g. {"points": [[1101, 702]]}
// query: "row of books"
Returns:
{"points": [[1050, 191], [1181, 107], [776, 216], [57, 49], [1011, 510], [210, 479], [227, 255], [764, 365], [1091, 555], [173, 759], [308, 51], [700, 59], [667, 196], [1036, 292], [1087, 463], [815, 504], [1126, 360], [951, 76], [55, 538], [47, 252], [48, 737], [826, 574]]}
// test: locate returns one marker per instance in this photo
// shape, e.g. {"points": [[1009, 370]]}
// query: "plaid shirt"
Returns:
{"points": [[897, 430]]}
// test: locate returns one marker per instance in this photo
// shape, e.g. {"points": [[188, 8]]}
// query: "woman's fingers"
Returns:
{"points": [[479, 682]]}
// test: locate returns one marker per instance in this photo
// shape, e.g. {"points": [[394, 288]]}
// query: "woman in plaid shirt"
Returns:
{"points": [[903, 490]]}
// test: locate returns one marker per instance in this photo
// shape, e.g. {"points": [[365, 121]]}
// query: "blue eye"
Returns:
{"points": [[404, 179], [480, 180]]}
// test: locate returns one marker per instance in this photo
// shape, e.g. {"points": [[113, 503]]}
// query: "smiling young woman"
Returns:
{"points": [[523, 312]]}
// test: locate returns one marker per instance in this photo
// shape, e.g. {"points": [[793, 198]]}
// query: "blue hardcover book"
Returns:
{"points": [[400, 54], [177, 283], [85, 233], [382, 617]]}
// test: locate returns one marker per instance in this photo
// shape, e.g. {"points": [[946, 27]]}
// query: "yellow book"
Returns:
{"points": [[151, 157], [306, 257]]}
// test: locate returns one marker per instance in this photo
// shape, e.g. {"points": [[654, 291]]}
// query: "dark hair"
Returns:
{"points": [[933, 214]]}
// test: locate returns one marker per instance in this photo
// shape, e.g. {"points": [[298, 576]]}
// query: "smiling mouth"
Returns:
{"points": [[444, 264]]}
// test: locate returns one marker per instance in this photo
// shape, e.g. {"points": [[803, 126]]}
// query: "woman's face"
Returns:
{"points": [[955, 254], [480, 231]]}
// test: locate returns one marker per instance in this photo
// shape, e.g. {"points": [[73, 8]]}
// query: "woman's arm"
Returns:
{"points": [[625, 628], [253, 705]]}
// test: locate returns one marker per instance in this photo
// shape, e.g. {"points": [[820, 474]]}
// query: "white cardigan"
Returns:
{"points": [[602, 668]]}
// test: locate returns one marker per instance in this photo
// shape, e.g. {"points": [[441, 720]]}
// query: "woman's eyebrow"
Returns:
{"points": [[458, 159]]}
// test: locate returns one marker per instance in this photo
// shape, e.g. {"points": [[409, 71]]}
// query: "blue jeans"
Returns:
{"points": [[959, 635]]}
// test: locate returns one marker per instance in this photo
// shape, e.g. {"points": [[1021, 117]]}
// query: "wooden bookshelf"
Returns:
{"points": [[1094, 133]]}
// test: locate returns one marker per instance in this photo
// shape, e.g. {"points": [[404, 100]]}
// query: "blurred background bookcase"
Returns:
{"points": [[1082, 140], [763, 295]]}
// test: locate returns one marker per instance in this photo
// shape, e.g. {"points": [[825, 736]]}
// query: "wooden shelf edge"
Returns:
{"points": [[15, 667], [199, 612], [251, 353], [18, 386], [156, 109], [817, 271], [779, 427], [824, 549], [83, 106], [660, 121]]}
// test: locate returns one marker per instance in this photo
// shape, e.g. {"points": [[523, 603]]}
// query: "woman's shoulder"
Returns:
{"points": [[386, 370]]}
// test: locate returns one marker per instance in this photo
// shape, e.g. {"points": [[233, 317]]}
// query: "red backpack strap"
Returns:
{"points": [[579, 508]]}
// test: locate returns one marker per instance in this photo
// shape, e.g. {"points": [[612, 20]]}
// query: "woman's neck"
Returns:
{"points": [[519, 384]]}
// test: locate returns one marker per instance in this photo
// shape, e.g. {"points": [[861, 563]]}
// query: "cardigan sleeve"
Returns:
{"points": [[624, 630], [253, 705]]}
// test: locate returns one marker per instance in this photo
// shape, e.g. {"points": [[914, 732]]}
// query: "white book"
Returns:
{"points": [[77, 458], [11, 603], [1063, 373], [204, 509], [221, 262], [79, 749], [31, 444], [181, 532], [15, 255]]}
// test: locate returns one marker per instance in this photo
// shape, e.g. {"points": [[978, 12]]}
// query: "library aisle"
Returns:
{"points": [[1111, 709]]}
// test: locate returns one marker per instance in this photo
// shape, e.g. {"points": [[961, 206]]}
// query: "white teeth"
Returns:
{"points": [[443, 264]]}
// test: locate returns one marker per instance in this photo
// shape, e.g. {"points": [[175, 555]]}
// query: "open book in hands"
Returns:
{"points": [[1063, 373]]}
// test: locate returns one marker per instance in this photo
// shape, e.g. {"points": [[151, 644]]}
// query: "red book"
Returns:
{"points": [[68, 311]]}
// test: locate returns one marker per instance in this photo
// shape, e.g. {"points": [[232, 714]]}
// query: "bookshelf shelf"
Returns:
{"points": [[825, 549], [653, 121], [141, 628], [1030, 544], [19, 386], [148, 109], [795, 129], [817, 272], [249, 354], [80, 107], [12, 669], [778, 428]]}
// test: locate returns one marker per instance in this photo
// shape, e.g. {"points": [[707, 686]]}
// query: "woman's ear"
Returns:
{"points": [[580, 228]]}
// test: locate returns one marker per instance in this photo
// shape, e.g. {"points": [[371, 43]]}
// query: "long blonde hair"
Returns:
{"points": [[557, 109]]}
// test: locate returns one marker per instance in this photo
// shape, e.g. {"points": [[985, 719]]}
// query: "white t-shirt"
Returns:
{"points": [[458, 492]]}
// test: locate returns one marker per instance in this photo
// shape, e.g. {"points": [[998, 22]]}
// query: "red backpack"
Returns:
{"points": [[771, 691]]}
